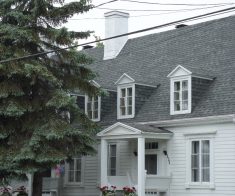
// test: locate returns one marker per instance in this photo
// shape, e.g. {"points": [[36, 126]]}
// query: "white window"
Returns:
{"points": [[200, 161], [74, 171], [92, 107], [112, 160], [126, 100], [180, 95]]}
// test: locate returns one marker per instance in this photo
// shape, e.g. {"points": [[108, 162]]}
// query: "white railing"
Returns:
{"points": [[158, 183]]}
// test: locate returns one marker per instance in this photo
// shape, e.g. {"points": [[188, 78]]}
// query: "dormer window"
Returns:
{"points": [[180, 91], [125, 97], [92, 107], [126, 105], [181, 95]]}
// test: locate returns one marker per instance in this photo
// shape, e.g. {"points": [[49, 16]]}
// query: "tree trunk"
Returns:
{"points": [[37, 184]]}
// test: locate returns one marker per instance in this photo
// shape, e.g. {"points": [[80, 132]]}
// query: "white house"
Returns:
{"points": [[168, 121]]}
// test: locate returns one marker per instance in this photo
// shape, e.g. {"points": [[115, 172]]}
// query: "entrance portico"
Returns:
{"points": [[132, 132]]}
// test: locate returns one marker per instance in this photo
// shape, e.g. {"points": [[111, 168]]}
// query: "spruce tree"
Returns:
{"points": [[37, 115]]}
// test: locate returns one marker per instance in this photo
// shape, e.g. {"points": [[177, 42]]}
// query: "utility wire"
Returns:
{"points": [[158, 10], [142, 15], [177, 4], [105, 3], [126, 34]]}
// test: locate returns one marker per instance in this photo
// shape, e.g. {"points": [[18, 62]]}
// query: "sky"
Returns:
{"points": [[153, 15]]}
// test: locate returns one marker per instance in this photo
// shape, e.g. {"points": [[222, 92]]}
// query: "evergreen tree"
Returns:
{"points": [[36, 131]]}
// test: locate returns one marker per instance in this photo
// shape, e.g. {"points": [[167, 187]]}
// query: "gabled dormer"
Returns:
{"points": [[183, 85], [125, 97], [180, 90]]}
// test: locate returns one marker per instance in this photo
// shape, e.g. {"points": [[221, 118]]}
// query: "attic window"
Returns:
{"points": [[92, 107], [126, 102], [125, 97], [180, 91]]}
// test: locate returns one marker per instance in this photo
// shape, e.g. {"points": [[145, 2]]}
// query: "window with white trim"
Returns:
{"points": [[200, 161], [112, 160], [92, 107], [181, 95], [74, 171], [126, 100]]}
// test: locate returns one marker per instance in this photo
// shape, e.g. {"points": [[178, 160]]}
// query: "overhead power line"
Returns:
{"points": [[105, 3], [144, 15], [159, 10], [126, 34], [177, 4]]}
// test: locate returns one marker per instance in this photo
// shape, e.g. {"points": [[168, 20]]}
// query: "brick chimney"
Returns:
{"points": [[116, 23]]}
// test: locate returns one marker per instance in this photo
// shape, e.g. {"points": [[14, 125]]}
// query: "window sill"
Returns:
{"points": [[125, 117], [180, 112], [200, 186]]}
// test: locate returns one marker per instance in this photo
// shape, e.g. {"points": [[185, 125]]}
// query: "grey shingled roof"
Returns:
{"points": [[206, 49]]}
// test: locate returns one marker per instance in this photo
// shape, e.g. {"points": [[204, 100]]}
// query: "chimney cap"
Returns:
{"points": [[116, 13], [180, 26], [87, 47]]}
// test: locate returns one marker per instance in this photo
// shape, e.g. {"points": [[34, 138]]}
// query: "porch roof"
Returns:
{"points": [[121, 130]]}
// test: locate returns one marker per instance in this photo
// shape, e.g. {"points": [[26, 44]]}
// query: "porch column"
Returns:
{"points": [[141, 166], [104, 162]]}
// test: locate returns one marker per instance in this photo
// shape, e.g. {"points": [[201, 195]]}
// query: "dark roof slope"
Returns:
{"points": [[207, 48]]}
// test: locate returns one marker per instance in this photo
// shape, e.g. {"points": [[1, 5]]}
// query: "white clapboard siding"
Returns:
{"points": [[224, 161]]}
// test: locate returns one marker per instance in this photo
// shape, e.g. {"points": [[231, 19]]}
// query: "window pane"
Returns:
{"points": [[113, 172], [96, 98], [195, 161], [122, 102], [113, 162], [206, 175], [185, 95], [78, 164], [95, 114], [71, 176], [176, 96], [96, 105], [185, 105], [205, 146], [113, 149], [129, 101], [185, 85], [71, 165], [129, 110], [123, 92], [78, 176], [195, 175], [112, 159], [89, 106], [195, 147], [90, 114], [123, 110], [176, 86], [177, 106], [205, 160], [129, 92]]}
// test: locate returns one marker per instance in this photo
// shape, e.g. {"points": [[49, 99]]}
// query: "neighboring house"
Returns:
{"points": [[168, 121]]}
